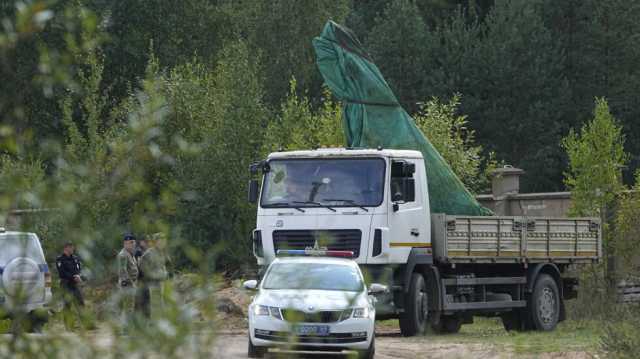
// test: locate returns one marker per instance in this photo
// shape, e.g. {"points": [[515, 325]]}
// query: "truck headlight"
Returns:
{"points": [[361, 312], [260, 310]]}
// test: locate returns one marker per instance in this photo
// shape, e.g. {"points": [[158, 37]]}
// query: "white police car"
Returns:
{"points": [[25, 280], [312, 302]]}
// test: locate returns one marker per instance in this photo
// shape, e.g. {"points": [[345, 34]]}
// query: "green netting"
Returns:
{"points": [[373, 117]]}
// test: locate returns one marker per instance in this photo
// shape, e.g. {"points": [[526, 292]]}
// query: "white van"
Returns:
{"points": [[25, 279]]}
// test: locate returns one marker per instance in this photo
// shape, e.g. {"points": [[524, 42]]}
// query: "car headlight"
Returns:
{"points": [[361, 312], [275, 312], [260, 310], [264, 310]]}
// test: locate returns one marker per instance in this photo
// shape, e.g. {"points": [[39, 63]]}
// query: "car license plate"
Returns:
{"points": [[318, 330]]}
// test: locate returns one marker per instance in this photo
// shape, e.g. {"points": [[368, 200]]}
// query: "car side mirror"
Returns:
{"points": [[251, 284], [376, 288], [253, 191]]}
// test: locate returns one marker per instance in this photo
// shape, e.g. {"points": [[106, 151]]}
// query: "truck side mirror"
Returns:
{"points": [[409, 189], [253, 191], [403, 189]]}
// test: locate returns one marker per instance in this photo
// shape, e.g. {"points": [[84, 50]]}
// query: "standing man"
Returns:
{"points": [[127, 277], [142, 292], [69, 268], [152, 264]]}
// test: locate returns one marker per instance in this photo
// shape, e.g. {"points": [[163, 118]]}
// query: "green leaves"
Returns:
{"points": [[450, 135], [300, 126], [596, 158]]}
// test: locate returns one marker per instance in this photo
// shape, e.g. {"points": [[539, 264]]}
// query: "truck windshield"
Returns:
{"points": [[321, 276], [330, 182]]}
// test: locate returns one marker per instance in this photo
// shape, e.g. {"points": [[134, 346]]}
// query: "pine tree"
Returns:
{"points": [[397, 43], [517, 94]]}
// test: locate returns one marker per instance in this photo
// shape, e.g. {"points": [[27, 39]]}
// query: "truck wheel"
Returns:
{"points": [[447, 325], [414, 318], [254, 351], [544, 304]]}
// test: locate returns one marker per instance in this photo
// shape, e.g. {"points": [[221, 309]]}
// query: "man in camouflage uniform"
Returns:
{"points": [[152, 264], [127, 277]]}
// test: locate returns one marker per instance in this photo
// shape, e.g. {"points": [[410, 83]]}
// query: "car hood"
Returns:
{"points": [[311, 300]]}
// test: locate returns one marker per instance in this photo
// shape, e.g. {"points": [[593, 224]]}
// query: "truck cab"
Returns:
{"points": [[372, 202]]}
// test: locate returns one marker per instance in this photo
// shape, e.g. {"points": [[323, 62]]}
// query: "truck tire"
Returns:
{"points": [[254, 351], [447, 325], [544, 303], [414, 318]]}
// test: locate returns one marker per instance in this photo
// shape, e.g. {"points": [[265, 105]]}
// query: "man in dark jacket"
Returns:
{"points": [[69, 268]]}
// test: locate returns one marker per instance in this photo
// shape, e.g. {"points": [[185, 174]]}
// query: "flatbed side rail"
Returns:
{"points": [[516, 239]]}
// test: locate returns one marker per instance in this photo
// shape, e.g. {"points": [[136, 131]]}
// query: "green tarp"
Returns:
{"points": [[373, 117]]}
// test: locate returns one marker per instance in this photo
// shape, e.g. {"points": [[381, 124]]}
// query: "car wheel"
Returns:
{"points": [[254, 351], [544, 303], [371, 352], [414, 318]]}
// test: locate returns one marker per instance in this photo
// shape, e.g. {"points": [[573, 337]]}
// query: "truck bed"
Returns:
{"points": [[500, 239]]}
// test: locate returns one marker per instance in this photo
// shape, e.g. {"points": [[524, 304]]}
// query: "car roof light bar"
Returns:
{"points": [[315, 252]]}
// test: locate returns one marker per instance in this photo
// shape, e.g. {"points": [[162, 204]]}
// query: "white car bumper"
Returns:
{"points": [[355, 334]]}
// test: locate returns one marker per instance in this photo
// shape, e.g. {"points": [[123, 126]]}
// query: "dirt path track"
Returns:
{"points": [[390, 346]]}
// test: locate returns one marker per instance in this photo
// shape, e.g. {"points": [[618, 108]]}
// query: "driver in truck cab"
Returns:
{"points": [[293, 188]]}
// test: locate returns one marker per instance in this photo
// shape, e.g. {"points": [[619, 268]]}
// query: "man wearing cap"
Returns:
{"points": [[152, 265], [69, 268], [127, 276]]}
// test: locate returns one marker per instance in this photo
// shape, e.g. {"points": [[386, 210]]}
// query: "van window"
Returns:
{"points": [[19, 245]]}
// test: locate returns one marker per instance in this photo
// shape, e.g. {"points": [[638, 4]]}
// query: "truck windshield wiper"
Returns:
{"points": [[284, 204], [350, 201], [316, 203]]}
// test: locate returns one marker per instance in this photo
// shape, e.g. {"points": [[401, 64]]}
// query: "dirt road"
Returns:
{"points": [[392, 346]]}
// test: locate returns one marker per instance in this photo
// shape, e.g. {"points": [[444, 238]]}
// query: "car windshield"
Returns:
{"points": [[19, 245], [320, 276], [324, 182]]}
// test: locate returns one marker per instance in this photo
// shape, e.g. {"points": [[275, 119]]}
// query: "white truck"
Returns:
{"points": [[441, 269]]}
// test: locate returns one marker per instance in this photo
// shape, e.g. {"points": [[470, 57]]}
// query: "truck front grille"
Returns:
{"points": [[335, 239]]}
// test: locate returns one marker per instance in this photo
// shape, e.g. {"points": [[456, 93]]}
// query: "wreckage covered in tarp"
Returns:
{"points": [[373, 116]]}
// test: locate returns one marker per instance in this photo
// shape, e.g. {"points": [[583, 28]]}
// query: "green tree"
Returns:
{"points": [[450, 135], [397, 43], [596, 157], [219, 116], [300, 126], [628, 230], [517, 95], [605, 62], [37, 65], [177, 31], [280, 31]]}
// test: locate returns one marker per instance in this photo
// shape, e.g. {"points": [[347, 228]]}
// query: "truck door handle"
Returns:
{"points": [[415, 232]]}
